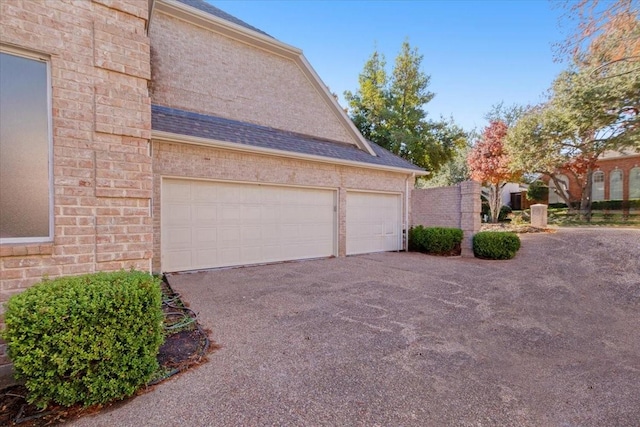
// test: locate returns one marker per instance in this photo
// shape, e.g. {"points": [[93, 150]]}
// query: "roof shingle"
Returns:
{"points": [[212, 10], [187, 123]]}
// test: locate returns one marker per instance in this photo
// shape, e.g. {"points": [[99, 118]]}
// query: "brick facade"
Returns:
{"points": [[98, 55], [608, 165], [273, 90], [457, 206], [107, 172]]}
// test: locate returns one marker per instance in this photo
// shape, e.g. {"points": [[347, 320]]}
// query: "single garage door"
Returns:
{"points": [[373, 222], [213, 224]]}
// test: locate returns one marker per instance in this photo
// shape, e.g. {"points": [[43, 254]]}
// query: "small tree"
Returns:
{"points": [[490, 165], [538, 191]]}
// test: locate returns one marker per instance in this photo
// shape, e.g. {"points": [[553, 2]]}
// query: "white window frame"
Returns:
{"points": [[593, 186], [47, 60], [616, 173], [634, 178]]}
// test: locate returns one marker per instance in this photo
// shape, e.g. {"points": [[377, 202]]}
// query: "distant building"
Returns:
{"points": [[616, 177]]}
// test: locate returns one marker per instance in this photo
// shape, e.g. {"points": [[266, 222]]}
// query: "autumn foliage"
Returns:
{"points": [[488, 161], [489, 164]]}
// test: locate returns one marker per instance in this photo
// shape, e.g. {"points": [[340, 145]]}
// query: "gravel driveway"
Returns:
{"points": [[550, 338]]}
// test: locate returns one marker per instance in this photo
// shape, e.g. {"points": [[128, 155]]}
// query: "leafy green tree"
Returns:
{"points": [[369, 107], [538, 191], [390, 111], [454, 171], [585, 117]]}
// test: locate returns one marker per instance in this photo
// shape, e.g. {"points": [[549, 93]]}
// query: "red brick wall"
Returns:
{"points": [[625, 164]]}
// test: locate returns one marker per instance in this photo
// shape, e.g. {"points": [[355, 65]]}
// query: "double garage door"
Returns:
{"points": [[216, 224]]}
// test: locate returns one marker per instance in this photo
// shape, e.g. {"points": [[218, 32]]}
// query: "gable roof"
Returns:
{"points": [[184, 126], [209, 17], [209, 8]]}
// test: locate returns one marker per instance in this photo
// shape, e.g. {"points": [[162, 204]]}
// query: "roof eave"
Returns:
{"points": [[158, 135], [256, 39]]}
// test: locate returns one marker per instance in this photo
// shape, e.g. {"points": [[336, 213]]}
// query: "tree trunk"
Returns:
{"points": [[495, 201], [585, 200]]}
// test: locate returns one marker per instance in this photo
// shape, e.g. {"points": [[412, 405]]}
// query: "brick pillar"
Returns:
{"points": [[470, 209]]}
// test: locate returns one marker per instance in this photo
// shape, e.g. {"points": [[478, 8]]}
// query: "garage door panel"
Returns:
{"points": [[177, 214], [203, 193], [205, 214], [181, 191], [233, 224], [203, 237], [373, 222], [230, 213], [179, 237]]}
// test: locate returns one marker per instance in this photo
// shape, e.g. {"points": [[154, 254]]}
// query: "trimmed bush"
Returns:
{"points": [[495, 245], [615, 205], [435, 240], [85, 339], [504, 213]]}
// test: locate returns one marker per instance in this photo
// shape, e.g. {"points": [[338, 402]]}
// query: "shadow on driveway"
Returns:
{"points": [[549, 338]]}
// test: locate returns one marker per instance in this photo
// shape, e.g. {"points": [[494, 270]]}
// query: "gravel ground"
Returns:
{"points": [[549, 338]]}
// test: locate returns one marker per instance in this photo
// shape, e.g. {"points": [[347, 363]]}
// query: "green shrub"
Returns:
{"points": [[538, 191], [85, 339], [504, 213], [435, 240], [495, 245], [615, 205]]}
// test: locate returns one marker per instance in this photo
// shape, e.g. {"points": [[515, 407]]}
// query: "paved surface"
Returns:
{"points": [[551, 338]]}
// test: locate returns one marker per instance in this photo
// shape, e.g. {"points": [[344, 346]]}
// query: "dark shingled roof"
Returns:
{"points": [[206, 7], [198, 125]]}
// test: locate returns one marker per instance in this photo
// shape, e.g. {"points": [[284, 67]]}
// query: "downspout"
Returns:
{"points": [[406, 211]]}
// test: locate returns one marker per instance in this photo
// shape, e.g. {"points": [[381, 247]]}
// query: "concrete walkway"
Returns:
{"points": [[550, 338]]}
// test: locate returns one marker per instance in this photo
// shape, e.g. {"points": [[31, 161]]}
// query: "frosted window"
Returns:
{"points": [[24, 149], [615, 185], [597, 189]]}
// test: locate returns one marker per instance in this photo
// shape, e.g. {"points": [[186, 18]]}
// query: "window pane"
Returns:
{"points": [[597, 190], [24, 148], [554, 194], [615, 185], [634, 183]]}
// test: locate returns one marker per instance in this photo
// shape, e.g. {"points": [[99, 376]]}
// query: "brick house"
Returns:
{"points": [[167, 135], [616, 177]]}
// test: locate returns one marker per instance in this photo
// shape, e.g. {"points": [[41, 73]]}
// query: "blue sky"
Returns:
{"points": [[478, 53]]}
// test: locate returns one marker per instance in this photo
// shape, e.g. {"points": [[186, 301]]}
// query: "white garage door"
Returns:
{"points": [[213, 224], [373, 222]]}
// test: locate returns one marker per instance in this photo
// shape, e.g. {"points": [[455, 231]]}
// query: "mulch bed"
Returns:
{"points": [[185, 346], [520, 229]]}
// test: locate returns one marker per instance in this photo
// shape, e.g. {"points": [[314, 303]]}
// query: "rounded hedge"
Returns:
{"points": [[85, 339], [495, 244], [435, 240]]}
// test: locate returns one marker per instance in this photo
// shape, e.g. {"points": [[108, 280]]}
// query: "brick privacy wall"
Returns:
{"points": [[457, 206], [250, 84], [625, 164], [192, 161], [100, 68]]}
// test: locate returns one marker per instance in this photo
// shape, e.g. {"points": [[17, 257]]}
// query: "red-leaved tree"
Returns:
{"points": [[489, 164]]}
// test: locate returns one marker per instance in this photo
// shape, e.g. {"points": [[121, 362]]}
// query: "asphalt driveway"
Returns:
{"points": [[551, 338]]}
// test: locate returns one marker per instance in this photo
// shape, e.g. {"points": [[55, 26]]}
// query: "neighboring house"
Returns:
{"points": [[168, 136], [616, 177]]}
